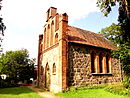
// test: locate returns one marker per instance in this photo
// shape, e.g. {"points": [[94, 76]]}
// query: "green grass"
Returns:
{"points": [[18, 92], [90, 93]]}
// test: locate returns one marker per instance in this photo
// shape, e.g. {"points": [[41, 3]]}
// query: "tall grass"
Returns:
{"points": [[95, 91]]}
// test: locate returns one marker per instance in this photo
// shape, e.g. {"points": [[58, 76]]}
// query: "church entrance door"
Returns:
{"points": [[47, 77]]}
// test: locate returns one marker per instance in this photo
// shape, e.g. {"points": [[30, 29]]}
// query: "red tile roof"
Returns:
{"points": [[81, 36]]}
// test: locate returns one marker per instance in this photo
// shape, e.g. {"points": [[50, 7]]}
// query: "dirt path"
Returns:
{"points": [[45, 94]]}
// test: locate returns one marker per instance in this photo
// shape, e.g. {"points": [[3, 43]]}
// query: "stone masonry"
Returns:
{"points": [[79, 62]]}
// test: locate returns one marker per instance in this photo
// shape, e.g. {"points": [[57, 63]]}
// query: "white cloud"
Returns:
{"points": [[76, 9], [25, 19]]}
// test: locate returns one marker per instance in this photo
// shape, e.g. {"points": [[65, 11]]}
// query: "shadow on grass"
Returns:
{"points": [[15, 90]]}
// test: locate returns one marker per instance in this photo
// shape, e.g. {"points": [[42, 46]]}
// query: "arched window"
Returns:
{"points": [[56, 38], [93, 62], [107, 64], [100, 63], [54, 69], [52, 32]]}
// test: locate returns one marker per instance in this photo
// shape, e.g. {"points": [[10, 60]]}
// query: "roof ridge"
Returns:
{"points": [[82, 29]]}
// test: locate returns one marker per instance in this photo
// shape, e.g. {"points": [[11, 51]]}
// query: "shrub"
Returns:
{"points": [[117, 88], [126, 81], [5, 84], [72, 88]]}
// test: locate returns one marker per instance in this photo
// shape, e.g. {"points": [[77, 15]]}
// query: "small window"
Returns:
{"points": [[92, 62], [100, 63], [56, 38], [54, 69], [107, 64]]}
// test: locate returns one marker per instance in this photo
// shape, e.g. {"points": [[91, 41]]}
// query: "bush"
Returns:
{"points": [[117, 88], [72, 89], [126, 81], [5, 84]]}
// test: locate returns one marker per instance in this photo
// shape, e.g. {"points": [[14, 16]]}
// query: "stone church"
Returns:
{"points": [[70, 56]]}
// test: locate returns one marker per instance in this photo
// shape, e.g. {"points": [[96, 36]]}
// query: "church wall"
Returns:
{"points": [[79, 63]]}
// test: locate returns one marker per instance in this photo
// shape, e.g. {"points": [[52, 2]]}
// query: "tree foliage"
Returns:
{"points": [[2, 28], [106, 5], [17, 65], [124, 15]]}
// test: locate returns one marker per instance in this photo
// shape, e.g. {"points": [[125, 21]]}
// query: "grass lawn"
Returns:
{"points": [[89, 93], [18, 92]]}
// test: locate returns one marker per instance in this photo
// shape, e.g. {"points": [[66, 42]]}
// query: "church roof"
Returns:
{"points": [[81, 36]]}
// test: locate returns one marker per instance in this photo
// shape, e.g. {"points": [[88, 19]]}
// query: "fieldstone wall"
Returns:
{"points": [[79, 67]]}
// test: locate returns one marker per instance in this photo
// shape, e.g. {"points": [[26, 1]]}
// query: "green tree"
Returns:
{"points": [[2, 28], [123, 18], [17, 65]]}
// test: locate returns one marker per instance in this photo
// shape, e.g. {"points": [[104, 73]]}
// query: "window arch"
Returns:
{"points": [[107, 63], [93, 62], [54, 69], [56, 37], [52, 32]]}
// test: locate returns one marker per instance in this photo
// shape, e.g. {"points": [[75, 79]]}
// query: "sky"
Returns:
{"points": [[24, 20]]}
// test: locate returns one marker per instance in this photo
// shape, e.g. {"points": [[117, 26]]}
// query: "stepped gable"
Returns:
{"points": [[81, 36]]}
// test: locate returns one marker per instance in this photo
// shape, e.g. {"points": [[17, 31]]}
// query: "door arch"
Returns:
{"points": [[47, 77]]}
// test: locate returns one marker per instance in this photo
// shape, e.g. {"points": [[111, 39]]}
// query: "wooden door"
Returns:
{"points": [[47, 79]]}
